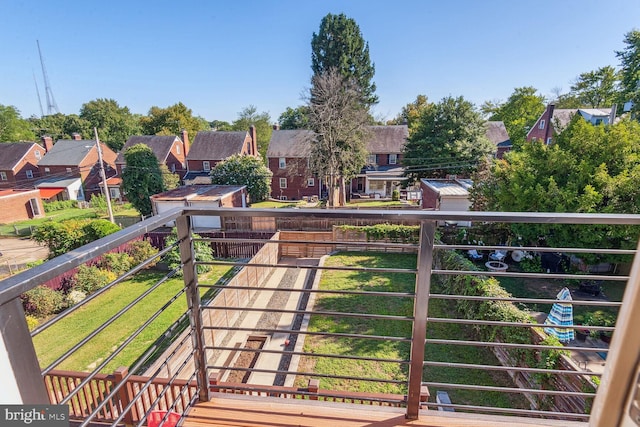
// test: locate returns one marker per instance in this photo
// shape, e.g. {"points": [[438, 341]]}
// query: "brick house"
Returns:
{"points": [[210, 148], [20, 205], [170, 150], [497, 133], [19, 164], [76, 158], [556, 119], [288, 159]]}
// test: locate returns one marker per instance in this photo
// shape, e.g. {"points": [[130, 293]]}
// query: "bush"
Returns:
{"points": [[395, 195], [203, 252], [42, 301], [60, 205], [89, 279], [141, 251], [32, 322], [118, 263], [99, 203], [97, 229], [74, 297]]}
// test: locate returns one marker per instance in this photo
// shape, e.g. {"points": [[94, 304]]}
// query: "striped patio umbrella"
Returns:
{"points": [[561, 317]]}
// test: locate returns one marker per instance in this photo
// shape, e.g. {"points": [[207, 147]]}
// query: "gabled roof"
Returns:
{"points": [[216, 145], [159, 144], [290, 143], [497, 133], [387, 139], [67, 152], [12, 152], [562, 116]]}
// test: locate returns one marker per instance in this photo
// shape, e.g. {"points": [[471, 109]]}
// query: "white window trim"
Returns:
{"points": [[283, 181], [47, 171], [311, 182], [206, 165], [29, 173], [394, 157], [37, 154], [69, 170], [549, 140], [372, 159], [541, 125], [3, 176], [177, 149], [282, 163], [35, 208]]}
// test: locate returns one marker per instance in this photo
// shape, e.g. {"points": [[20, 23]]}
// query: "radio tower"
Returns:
{"points": [[52, 107]]}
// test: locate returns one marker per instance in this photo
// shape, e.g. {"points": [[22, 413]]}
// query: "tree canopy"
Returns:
{"points": [[630, 71], [262, 122], [448, 138], [519, 113], [410, 113], [339, 120], [61, 126], [115, 124], [244, 170], [295, 118], [172, 120], [339, 45], [598, 88], [14, 128], [142, 177]]}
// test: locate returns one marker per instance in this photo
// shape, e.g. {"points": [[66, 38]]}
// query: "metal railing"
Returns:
{"points": [[262, 331]]}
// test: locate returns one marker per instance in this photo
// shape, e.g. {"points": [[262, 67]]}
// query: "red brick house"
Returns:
{"points": [[497, 133], [210, 148], [556, 119], [288, 159], [20, 205], [19, 164], [168, 149], [77, 158]]}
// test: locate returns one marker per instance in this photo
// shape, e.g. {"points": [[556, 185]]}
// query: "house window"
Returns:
{"points": [[541, 125], [372, 159], [177, 149], [3, 176], [68, 170], [283, 182], [206, 165], [37, 154], [47, 171], [283, 197], [173, 167], [35, 208], [114, 193], [311, 182], [393, 159], [30, 174], [282, 163], [548, 140]]}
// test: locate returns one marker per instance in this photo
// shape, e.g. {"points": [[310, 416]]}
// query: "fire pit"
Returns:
{"points": [[496, 266]]}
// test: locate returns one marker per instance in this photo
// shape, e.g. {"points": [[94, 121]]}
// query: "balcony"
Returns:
{"points": [[253, 346]]}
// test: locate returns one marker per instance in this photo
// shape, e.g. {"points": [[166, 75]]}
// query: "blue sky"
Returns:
{"points": [[218, 57]]}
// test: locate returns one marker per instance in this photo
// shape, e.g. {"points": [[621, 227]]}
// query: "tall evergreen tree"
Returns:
{"points": [[142, 177], [630, 72], [339, 44]]}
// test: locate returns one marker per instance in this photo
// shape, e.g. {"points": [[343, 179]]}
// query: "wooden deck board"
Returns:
{"points": [[246, 411]]}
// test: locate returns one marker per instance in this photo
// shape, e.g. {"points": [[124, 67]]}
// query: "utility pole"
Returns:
{"points": [[104, 178]]}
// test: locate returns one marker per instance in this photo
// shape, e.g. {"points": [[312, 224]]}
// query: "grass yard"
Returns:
{"points": [[375, 203], [392, 282], [63, 335], [61, 215], [271, 204]]}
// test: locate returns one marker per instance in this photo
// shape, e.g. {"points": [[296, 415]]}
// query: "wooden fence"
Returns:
{"points": [[297, 224], [227, 249]]}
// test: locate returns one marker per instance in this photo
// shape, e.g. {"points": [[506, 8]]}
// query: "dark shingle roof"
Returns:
{"points": [[12, 152], [387, 139], [159, 144], [290, 143], [67, 152], [216, 145], [497, 133]]}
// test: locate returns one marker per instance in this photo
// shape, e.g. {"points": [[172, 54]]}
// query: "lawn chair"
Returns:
{"points": [[498, 255], [474, 255]]}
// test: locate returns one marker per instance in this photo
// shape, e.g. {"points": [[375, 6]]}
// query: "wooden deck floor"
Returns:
{"points": [[247, 411]]}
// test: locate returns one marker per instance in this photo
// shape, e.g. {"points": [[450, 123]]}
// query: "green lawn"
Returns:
{"points": [[375, 203], [270, 204], [349, 280], [60, 337], [61, 215]]}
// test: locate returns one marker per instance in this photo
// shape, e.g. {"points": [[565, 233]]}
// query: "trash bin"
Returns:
{"points": [[154, 419]]}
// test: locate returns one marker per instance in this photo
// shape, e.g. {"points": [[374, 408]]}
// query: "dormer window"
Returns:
{"points": [[37, 154], [177, 149]]}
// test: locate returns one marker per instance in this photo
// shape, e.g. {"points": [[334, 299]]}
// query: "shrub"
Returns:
{"points": [[74, 297], [395, 195], [99, 203], [118, 263], [89, 279], [203, 252], [32, 321], [140, 251], [42, 301], [60, 205], [97, 229]]}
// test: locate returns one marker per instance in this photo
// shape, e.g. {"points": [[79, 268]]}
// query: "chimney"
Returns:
{"points": [[47, 142], [76, 136], [276, 126], [547, 128], [254, 140], [185, 141], [612, 116]]}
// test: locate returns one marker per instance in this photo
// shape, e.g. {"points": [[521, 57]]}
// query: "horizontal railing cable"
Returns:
{"points": [[611, 251], [508, 368], [355, 243], [507, 389], [315, 313], [514, 411], [510, 324], [312, 291], [525, 300], [309, 267], [529, 275], [301, 332], [513, 345]]}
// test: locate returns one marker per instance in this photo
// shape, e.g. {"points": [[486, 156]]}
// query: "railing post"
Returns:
{"points": [[124, 394], [314, 384], [187, 256], [19, 368], [420, 311]]}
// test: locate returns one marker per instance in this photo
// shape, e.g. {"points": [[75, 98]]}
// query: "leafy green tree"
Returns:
{"points": [[115, 124], [244, 170], [519, 113], [449, 138], [410, 114], [62, 126], [630, 71], [339, 45], [142, 177], [598, 88], [589, 169], [172, 120], [220, 125], [62, 237], [295, 118], [202, 250], [14, 128], [339, 120], [262, 121], [169, 179]]}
